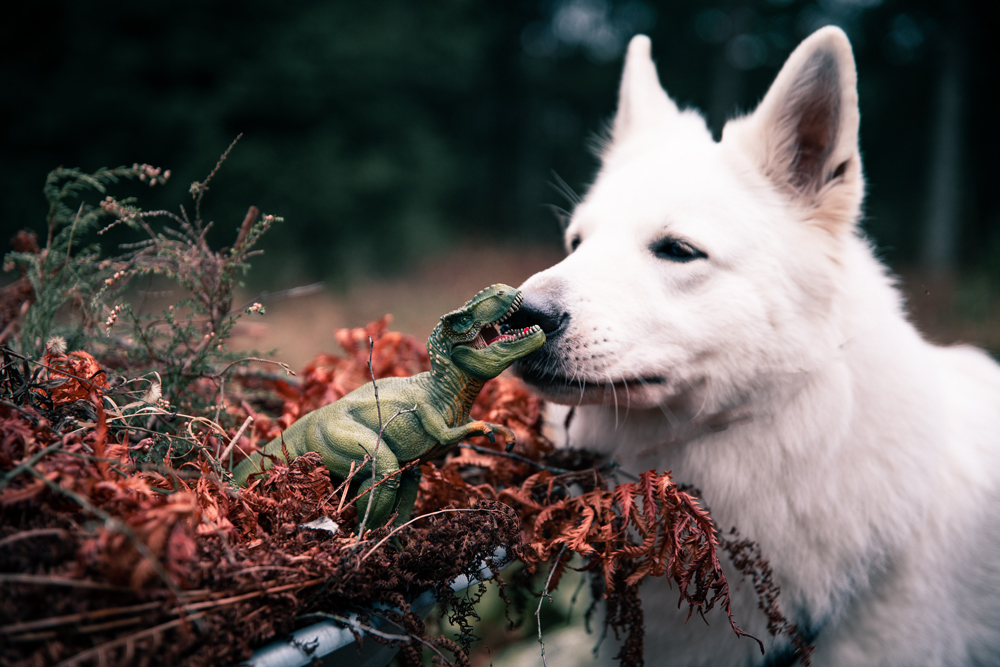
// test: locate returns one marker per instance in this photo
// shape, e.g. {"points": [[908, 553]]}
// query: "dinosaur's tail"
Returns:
{"points": [[247, 467], [257, 462]]}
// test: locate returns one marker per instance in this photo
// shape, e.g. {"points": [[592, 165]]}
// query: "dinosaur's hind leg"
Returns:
{"points": [[383, 496], [347, 442], [409, 486]]}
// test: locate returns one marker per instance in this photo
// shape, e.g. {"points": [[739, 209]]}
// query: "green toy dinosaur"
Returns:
{"points": [[469, 346]]}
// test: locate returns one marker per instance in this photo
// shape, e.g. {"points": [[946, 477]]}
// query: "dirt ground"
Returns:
{"points": [[298, 328]]}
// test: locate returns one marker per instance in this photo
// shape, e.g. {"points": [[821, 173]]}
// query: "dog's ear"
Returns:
{"points": [[642, 102], [804, 133]]}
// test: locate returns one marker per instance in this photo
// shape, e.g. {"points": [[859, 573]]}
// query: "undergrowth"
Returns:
{"points": [[162, 364]]}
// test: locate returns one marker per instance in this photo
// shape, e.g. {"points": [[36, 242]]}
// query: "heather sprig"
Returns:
{"points": [[69, 267], [185, 345]]}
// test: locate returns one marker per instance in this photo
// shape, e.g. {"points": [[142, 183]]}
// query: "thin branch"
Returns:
{"points": [[89, 381], [261, 568], [232, 443], [545, 594], [288, 370], [41, 580], [345, 485], [224, 602], [354, 623], [290, 293], [378, 409], [37, 532], [203, 607], [30, 416], [516, 457], [93, 615], [417, 637], [378, 441], [72, 229], [385, 479], [107, 646], [248, 221], [109, 625], [203, 186], [28, 463]]}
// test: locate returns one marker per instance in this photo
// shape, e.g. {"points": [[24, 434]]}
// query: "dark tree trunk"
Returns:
{"points": [[942, 225]]}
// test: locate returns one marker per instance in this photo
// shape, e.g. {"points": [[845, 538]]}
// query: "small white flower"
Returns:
{"points": [[56, 345], [112, 318], [154, 392]]}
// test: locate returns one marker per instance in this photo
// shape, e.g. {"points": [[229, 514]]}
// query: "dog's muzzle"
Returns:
{"points": [[550, 315], [546, 313]]}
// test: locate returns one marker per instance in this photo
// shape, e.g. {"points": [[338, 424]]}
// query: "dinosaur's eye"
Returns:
{"points": [[462, 323]]}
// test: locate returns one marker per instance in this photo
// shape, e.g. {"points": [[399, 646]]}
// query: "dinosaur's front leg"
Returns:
{"points": [[435, 426], [489, 429]]}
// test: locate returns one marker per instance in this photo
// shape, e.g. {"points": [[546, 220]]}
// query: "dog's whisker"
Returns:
{"points": [[628, 398], [669, 414], [665, 410], [704, 401], [562, 216], [604, 397], [564, 188], [694, 392], [614, 393]]}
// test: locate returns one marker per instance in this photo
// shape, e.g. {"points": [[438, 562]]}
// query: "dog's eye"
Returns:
{"points": [[574, 243], [676, 251]]}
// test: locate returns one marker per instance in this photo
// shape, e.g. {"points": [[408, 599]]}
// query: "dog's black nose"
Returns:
{"points": [[546, 313]]}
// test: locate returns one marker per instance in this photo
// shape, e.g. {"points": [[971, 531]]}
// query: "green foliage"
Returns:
{"points": [[186, 341], [62, 274], [172, 362]]}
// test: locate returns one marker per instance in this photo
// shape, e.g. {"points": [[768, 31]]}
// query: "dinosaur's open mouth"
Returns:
{"points": [[500, 333]]}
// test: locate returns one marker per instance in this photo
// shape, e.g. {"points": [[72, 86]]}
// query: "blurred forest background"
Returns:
{"points": [[389, 133]]}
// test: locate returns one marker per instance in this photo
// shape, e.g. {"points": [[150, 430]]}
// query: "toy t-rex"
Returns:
{"points": [[469, 346]]}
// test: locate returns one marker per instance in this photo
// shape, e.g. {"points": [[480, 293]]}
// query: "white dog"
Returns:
{"points": [[720, 315]]}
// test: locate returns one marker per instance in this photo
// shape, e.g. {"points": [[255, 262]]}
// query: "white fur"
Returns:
{"points": [[780, 376]]}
